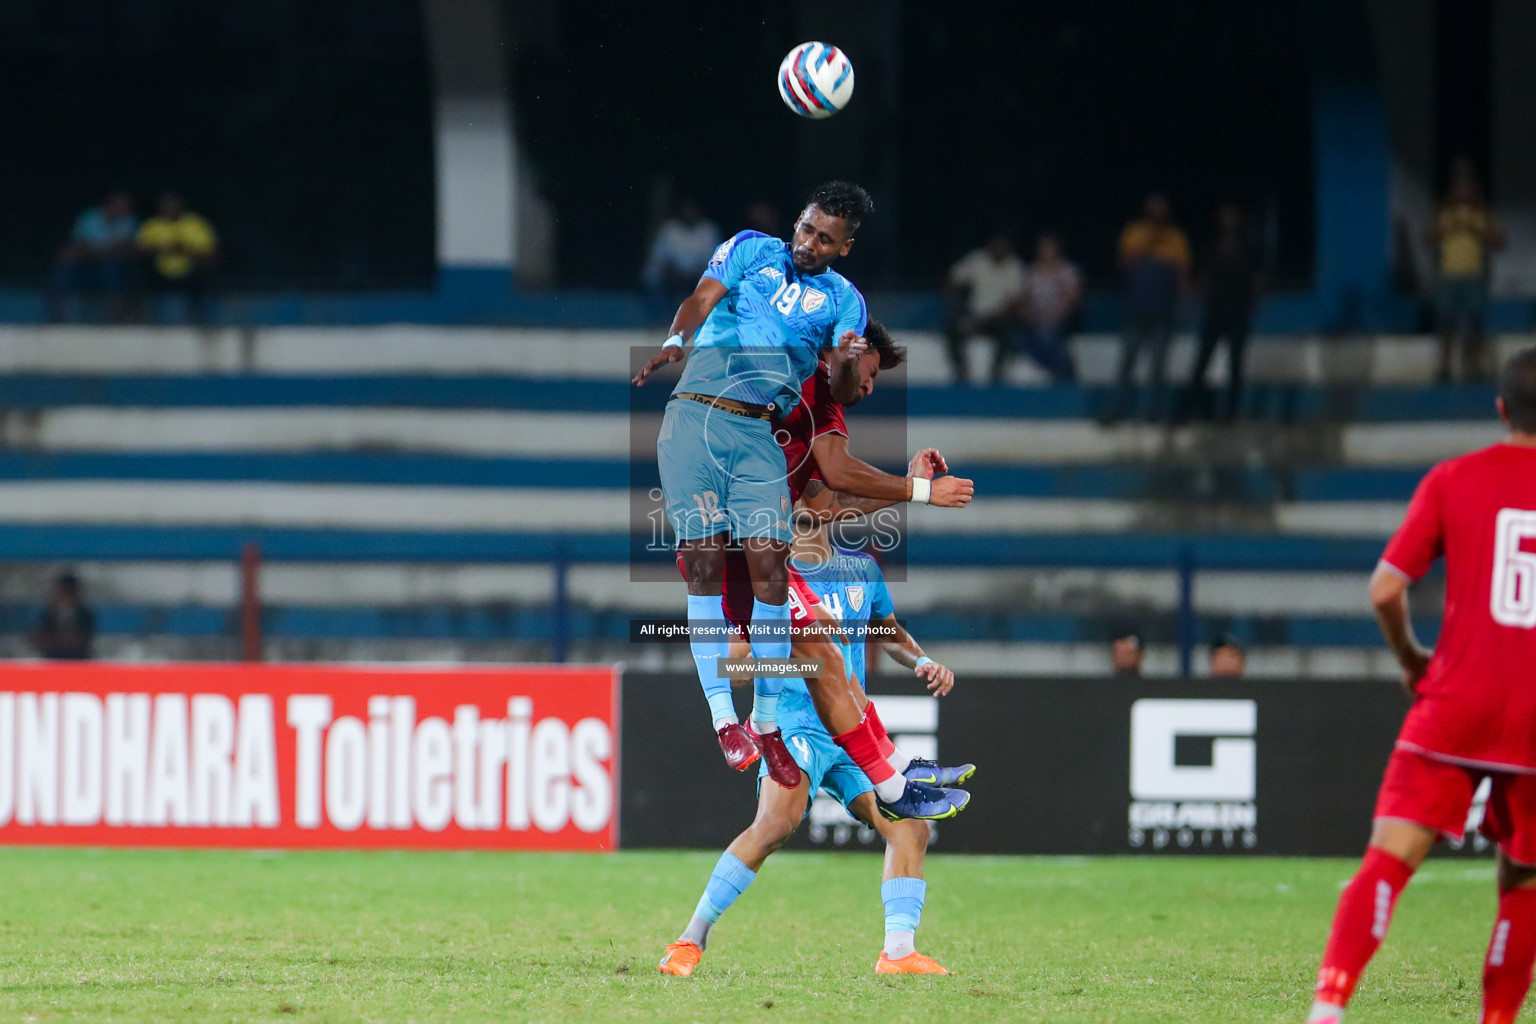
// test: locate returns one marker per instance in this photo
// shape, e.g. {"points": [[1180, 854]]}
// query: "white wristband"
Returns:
{"points": [[676, 341], [924, 660], [921, 489]]}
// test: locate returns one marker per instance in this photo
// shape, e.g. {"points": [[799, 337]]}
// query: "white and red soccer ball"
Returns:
{"points": [[816, 80]]}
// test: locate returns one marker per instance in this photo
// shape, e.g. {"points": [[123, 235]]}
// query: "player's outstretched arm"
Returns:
{"points": [[689, 318], [1389, 596], [825, 504], [907, 653], [842, 471]]}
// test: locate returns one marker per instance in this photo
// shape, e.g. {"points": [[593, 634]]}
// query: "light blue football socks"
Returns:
{"points": [[728, 881], [770, 639], [705, 611], [903, 898]]}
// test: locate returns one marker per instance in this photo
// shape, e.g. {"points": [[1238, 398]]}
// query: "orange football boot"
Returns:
{"points": [[913, 963], [682, 957]]}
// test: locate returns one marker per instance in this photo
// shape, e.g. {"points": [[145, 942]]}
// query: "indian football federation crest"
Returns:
{"points": [[856, 597], [813, 300]]}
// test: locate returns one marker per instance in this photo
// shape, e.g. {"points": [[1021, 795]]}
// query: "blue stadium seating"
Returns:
{"points": [[1214, 503]]}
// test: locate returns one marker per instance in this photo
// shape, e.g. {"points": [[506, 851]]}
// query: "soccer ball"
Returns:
{"points": [[816, 80]]}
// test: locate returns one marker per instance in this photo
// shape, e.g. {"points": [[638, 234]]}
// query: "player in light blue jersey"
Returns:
{"points": [[759, 320], [852, 591]]}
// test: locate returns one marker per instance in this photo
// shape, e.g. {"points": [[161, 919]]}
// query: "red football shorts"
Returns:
{"points": [[1438, 795], [736, 597]]}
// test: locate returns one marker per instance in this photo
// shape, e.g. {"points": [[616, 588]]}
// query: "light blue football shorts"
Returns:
{"points": [[721, 472], [825, 764]]}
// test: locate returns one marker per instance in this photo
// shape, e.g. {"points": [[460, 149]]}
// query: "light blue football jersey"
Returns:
{"points": [[852, 588], [764, 337]]}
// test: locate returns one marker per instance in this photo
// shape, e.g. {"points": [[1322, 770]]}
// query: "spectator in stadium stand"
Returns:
{"points": [[1154, 253], [1464, 234], [99, 258], [1126, 653], [682, 249], [66, 627], [986, 293], [1230, 285], [1228, 659], [181, 248], [1053, 289]]}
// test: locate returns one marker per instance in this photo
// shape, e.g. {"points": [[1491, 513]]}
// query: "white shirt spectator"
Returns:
{"points": [[1051, 292], [995, 284], [682, 249]]}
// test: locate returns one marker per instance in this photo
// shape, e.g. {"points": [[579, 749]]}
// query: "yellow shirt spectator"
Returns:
{"points": [[1464, 229], [1146, 239], [178, 243]]}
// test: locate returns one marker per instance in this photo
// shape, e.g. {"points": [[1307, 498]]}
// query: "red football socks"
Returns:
{"points": [[887, 747], [1359, 925], [1511, 952], [862, 745], [898, 761]]}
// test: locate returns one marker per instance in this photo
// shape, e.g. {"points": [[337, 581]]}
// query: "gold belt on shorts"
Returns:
{"points": [[730, 405]]}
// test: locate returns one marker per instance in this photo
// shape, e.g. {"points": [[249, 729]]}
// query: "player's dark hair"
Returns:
{"points": [[1517, 386], [891, 354], [843, 199]]}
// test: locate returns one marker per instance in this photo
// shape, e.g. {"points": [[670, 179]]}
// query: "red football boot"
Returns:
{"points": [[781, 766], [736, 743]]}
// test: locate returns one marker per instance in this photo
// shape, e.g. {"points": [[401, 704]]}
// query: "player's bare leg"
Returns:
{"points": [[768, 561], [703, 563], [840, 700], [1512, 948], [902, 889], [779, 812], [1396, 850]]}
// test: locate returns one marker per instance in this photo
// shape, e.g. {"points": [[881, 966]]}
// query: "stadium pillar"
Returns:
{"points": [[1352, 164], [250, 602], [476, 157], [1514, 149]]}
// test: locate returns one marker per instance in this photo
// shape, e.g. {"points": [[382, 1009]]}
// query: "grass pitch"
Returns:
{"points": [[106, 935]]}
